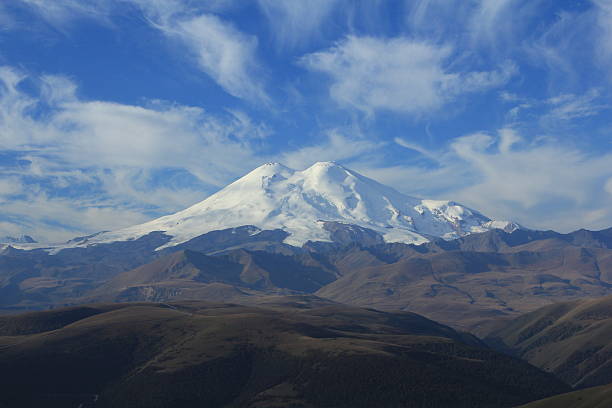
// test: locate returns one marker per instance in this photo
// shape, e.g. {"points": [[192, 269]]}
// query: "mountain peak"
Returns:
{"points": [[274, 196], [268, 169], [274, 166], [326, 164]]}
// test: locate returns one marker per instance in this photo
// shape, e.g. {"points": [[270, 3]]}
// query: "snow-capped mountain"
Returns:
{"points": [[301, 202]]}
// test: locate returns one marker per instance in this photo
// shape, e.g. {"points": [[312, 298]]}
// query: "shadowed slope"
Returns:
{"points": [[288, 352], [596, 397]]}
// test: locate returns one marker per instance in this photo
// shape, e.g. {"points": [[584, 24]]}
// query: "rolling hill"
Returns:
{"points": [[596, 397], [297, 351]]}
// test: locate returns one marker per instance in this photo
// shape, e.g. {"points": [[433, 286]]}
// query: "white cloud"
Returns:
{"points": [[569, 106], [58, 219], [397, 74], [218, 48], [478, 81], [337, 146], [490, 18], [472, 23], [370, 73], [413, 146], [562, 47], [9, 186], [608, 186], [110, 152], [221, 50], [507, 139], [430, 18], [604, 27], [549, 186], [295, 22], [224, 53], [61, 12], [559, 110], [542, 185]]}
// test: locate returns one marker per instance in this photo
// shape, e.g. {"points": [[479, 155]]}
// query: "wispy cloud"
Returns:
{"points": [[490, 19], [336, 146], [217, 47], [473, 23], [560, 110], [220, 49], [110, 153], [569, 106], [603, 16], [430, 18], [223, 52], [543, 185], [296, 22], [59, 13], [417, 148]]}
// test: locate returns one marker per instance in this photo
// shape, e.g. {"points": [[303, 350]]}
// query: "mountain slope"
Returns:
{"points": [[464, 283], [595, 397], [571, 340], [288, 352], [190, 275], [304, 203]]}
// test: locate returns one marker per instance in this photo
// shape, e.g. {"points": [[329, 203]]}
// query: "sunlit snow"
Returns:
{"points": [[274, 196]]}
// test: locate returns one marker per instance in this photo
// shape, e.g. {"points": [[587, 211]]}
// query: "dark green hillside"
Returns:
{"points": [[596, 397], [287, 352]]}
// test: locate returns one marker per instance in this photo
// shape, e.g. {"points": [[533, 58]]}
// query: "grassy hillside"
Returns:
{"points": [[596, 397], [298, 352], [571, 340]]}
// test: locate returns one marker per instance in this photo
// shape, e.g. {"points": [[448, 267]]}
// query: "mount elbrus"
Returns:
{"points": [[303, 203]]}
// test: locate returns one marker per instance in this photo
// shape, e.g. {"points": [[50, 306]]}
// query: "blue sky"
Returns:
{"points": [[116, 111]]}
